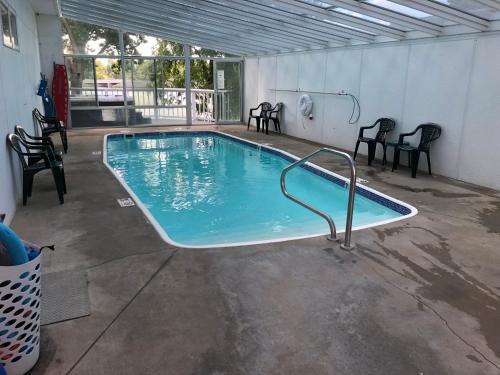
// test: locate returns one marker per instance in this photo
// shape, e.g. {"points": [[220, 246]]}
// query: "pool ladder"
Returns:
{"points": [[350, 205]]}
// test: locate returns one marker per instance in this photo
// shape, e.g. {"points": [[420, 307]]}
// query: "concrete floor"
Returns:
{"points": [[420, 296]]}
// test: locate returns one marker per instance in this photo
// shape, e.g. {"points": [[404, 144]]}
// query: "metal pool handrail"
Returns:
{"points": [[350, 205]]}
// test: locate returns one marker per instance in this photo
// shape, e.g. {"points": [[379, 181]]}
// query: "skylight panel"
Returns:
{"points": [[361, 16], [348, 27], [399, 8]]}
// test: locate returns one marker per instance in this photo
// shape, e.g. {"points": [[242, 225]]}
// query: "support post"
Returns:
{"points": [[124, 77], [187, 62]]}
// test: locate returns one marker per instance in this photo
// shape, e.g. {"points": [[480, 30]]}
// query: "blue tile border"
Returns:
{"points": [[403, 210]]}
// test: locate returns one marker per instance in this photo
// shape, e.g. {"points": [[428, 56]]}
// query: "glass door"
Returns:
{"points": [[228, 93]]}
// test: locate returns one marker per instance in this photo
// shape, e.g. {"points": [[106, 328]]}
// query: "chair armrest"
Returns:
{"points": [[37, 143], [35, 138], [363, 128], [403, 135], [254, 109]]}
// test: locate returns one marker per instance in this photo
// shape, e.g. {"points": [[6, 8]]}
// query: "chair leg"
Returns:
{"points": [[258, 124], [414, 157], [25, 188], [63, 180], [395, 161], [266, 122], [384, 160], [428, 154], [356, 150], [30, 184], [372, 146], [59, 185], [277, 124], [64, 140], [248, 125]]}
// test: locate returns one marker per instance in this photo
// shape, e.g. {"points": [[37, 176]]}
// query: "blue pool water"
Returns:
{"points": [[206, 189]]}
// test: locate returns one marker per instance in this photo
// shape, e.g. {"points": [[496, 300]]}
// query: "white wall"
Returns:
{"points": [[455, 83], [50, 40], [19, 75]]}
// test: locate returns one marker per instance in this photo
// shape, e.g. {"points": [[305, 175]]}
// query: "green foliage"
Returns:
{"points": [[79, 34]]}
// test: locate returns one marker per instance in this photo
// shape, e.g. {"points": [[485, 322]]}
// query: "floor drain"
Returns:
{"points": [[126, 202], [96, 153]]}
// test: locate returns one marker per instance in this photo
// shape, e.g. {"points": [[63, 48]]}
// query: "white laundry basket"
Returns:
{"points": [[20, 291]]}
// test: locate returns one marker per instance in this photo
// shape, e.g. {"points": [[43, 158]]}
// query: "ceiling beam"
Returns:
{"points": [[124, 19], [181, 12], [274, 16], [387, 15], [303, 31], [312, 11], [495, 4], [446, 12], [204, 42], [166, 22]]}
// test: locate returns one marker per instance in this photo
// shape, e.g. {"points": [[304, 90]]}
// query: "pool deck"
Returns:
{"points": [[419, 296]]}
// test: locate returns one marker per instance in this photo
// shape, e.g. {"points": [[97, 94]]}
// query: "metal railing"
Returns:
{"points": [[350, 205], [169, 102]]}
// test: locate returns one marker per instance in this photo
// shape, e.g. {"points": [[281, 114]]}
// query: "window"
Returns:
{"points": [[9, 27], [87, 39]]}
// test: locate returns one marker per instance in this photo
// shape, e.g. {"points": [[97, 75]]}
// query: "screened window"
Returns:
{"points": [[9, 27]]}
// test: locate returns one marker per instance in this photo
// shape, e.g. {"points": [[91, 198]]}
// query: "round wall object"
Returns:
{"points": [[305, 105]]}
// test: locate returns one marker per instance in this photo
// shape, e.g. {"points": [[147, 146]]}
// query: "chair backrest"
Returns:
{"points": [[16, 143], [19, 130], [38, 119], [278, 107], [265, 106], [386, 125], [429, 133]]}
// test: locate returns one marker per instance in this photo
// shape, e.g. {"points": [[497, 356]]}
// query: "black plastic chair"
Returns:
{"points": [[429, 133], [264, 106], [50, 125], [386, 126], [274, 115], [36, 141], [34, 159]]}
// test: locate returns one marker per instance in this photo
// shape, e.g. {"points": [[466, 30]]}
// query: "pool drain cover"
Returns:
{"points": [[126, 202]]}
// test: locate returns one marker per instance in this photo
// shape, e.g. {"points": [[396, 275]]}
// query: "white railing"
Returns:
{"points": [[170, 103]]}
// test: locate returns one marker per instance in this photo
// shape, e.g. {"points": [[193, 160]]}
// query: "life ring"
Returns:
{"points": [[13, 245], [305, 105]]}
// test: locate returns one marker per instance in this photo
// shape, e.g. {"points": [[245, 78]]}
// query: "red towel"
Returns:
{"points": [[60, 92]]}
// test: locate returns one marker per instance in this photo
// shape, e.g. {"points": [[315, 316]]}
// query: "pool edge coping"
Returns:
{"points": [[163, 234]]}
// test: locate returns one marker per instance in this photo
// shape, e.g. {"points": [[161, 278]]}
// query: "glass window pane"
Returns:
{"points": [[140, 81], [81, 82], [170, 80], [143, 45], [13, 31], [362, 16], [84, 38], [5, 26], [475, 8], [202, 90], [110, 82], [206, 52], [228, 90], [408, 11]]}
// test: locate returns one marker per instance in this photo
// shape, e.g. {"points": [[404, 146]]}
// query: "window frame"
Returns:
{"points": [[11, 14]]}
